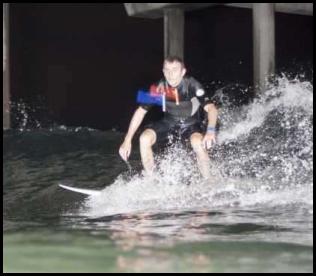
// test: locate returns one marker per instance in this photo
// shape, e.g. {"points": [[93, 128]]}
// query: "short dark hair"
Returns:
{"points": [[173, 59]]}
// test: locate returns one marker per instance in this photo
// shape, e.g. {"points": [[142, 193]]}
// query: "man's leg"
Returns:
{"points": [[203, 159], [146, 140]]}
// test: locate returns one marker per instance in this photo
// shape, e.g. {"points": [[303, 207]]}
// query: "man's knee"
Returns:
{"points": [[196, 141], [148, 137]]}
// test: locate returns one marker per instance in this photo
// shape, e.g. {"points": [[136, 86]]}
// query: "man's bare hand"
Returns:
{"points": [[160, 87], [209, 140], [125, 150]]}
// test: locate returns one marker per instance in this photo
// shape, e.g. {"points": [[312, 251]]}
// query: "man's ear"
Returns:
{"points": [[184, 70]]}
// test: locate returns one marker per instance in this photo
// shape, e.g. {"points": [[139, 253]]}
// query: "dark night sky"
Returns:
{"points": [[88, 60]]}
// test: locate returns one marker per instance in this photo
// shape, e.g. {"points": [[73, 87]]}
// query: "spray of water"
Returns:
{"points": [[30, 115], [264, 155], [27, 116]]}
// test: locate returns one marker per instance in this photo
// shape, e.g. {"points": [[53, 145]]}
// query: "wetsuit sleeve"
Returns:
{"points": [[198, 91], [145, 106]]}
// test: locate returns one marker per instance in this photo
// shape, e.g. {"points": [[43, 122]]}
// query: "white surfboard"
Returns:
{"points": [[81, 191]]}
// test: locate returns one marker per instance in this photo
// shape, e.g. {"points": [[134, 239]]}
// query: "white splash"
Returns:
{"points": [[287, 94], [254, 172]]}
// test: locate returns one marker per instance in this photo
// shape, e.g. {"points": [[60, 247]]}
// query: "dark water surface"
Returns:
{"points": [[256, 215]]}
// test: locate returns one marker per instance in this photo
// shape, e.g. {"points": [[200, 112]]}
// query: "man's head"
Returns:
{"points": [[173, 70]]}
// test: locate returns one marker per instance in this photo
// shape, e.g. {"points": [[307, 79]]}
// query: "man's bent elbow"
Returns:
{"points": [[211, 108]]}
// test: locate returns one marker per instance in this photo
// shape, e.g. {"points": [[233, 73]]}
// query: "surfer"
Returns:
{"points": [[184, 102]]}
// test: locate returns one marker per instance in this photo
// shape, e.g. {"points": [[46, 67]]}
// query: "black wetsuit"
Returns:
{"points": [[184, 113]]}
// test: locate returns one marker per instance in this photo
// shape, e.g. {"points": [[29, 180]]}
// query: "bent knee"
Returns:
{"points": [[148, 137], [196, 141]]}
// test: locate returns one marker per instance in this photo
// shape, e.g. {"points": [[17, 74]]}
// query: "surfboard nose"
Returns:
{"points": [[81, 191]]}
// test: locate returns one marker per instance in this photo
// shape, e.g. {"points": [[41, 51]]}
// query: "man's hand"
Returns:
{"points": [[208, 140], [125, 150], [160, 88]]}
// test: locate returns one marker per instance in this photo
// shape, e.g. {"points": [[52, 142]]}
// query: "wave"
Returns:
{"points": [[263, 155]]}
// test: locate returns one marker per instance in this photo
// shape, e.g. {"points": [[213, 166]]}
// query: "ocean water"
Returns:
{"points": [[255, 215]]}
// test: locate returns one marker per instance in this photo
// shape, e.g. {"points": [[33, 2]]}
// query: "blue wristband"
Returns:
{"points": [[211, 129]]}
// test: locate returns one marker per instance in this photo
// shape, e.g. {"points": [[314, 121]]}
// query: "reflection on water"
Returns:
{"points": [[79, 251]]}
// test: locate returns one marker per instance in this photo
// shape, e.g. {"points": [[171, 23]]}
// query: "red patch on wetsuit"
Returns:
{"points": [[171, 93]]}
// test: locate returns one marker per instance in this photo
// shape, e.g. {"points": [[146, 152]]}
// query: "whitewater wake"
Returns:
{"points": [[263, 156]]}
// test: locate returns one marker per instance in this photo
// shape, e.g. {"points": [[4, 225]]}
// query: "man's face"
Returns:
{"points": [[173, 72]]}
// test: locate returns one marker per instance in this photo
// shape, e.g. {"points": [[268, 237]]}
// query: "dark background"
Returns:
{"points": [[87, 61]]}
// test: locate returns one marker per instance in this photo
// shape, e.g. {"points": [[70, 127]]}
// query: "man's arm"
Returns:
{"points": [[135, 122], [209, 137], [126, 147], [212, 114]]}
